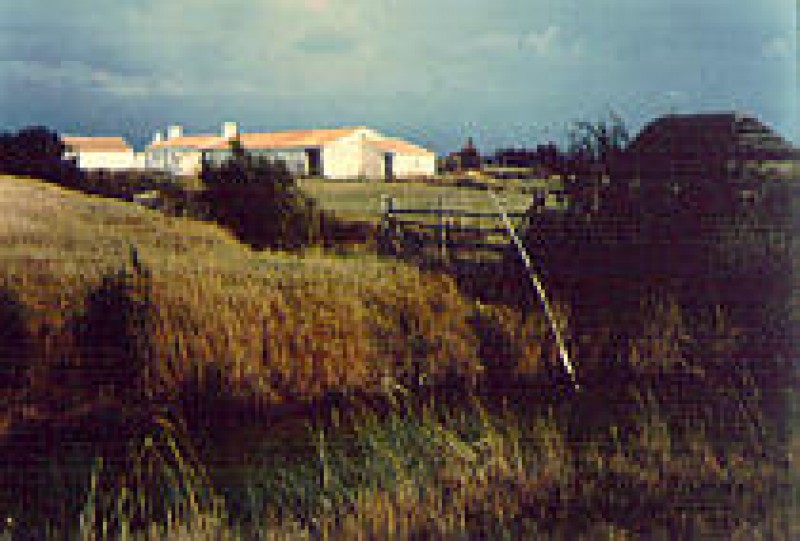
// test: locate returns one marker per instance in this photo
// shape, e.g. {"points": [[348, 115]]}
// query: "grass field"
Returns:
{"points": [[163, 381], [363, 199]]}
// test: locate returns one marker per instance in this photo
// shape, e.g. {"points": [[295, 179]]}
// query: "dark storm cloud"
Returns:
{"points": [[508, 71]]}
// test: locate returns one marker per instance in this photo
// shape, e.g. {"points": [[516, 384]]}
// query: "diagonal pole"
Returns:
{"points": [[537, 284]]}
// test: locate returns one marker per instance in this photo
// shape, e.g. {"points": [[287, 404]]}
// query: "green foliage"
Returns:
{"points": [[259, 201]]}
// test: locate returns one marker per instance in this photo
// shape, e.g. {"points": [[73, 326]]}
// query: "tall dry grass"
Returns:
{"points": [[276, 327], [464, 473], [167, 382]]}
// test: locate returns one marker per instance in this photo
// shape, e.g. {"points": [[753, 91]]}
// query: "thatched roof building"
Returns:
{"points": [[731, 147]]}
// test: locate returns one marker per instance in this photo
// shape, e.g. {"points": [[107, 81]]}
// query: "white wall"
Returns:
{"points": [[414, 165], [189, 162], [373, 162], [155, 159], [352, 157], [343, 159], [139, 161], [111, 161], [177, 161]]}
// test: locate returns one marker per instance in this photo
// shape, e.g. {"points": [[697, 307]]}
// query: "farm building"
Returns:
{"points": [[102, 153], [181, 154], [717, 147], [340, 153]]}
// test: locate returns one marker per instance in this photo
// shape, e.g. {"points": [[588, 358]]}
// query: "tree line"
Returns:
{"points": [[37, 152]]}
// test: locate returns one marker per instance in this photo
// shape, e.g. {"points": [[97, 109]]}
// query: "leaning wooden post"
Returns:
{"points": [[537, 284]]}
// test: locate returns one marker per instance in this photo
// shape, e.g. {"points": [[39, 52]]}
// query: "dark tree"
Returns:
{"points": [[468, 158], [257, 198], [595, 156], [37, 152]]}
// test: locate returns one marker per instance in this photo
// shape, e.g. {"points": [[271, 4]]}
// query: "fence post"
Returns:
{"points": [[387, 206], [442, 230]]}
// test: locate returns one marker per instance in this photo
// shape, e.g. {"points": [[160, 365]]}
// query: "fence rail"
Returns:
{"points": [[456, 213], [445, 229]]}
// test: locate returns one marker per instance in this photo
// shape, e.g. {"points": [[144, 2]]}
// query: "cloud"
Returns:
{"points": [[675, 95], [326, 43], [542, 43], [416, 62], [548, 42], [85, 77], [318, 6], [777, 47]]}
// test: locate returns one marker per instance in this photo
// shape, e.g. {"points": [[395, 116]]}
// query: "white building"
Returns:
{"points": [[102, 153], [177, 153], [340, 153]]}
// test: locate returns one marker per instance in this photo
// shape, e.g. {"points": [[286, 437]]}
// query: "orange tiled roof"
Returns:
{"points": [[397, 146], [288, 139], [198, 142], [96, 144]]}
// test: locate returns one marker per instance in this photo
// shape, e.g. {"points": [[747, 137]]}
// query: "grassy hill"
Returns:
{"points": [[219, 302], [161, 380]]}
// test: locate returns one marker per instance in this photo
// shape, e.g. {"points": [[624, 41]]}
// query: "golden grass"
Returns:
{"points": [[227, 325], [277, 327]]}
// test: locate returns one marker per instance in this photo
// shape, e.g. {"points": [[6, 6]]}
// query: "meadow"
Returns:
{"points": [[164, 381], [362, 200]]}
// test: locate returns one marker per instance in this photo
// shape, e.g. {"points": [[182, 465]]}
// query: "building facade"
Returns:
{"points": [[102, 153], [339, 153]]}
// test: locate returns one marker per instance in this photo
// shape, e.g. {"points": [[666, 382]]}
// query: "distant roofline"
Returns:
{"points": [[285, 140], [720, 132], [90, 143]]}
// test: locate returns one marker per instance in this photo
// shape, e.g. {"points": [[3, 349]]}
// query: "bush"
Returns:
{"points": [[258, 200], [114, 334], [15, 343], [39, 153]]}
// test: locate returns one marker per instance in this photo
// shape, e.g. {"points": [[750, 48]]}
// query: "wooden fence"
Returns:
{"points": [[449, 232]]}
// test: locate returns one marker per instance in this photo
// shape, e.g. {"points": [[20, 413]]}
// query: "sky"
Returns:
{"points": [[505, 72]]}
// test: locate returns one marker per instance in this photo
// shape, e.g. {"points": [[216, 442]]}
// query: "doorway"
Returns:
{"points": [[388, 166], [314, 159]]}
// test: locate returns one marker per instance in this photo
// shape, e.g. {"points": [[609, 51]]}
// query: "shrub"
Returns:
{"points": [[37, 152], [513, 346], [114, 333], [15, 343], [258, 200]]}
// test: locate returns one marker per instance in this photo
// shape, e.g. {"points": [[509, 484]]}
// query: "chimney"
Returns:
{"points": [[230, 130], [174, 131], [158, 137]]}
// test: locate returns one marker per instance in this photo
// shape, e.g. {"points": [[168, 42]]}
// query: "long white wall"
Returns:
{"points": [[111, 161], [414, 165], [353, 157], [350, 157]]}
